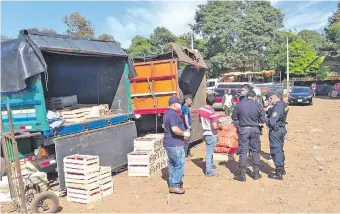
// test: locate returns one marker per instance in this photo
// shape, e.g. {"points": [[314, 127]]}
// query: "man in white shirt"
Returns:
{"points": [[227, 102]]}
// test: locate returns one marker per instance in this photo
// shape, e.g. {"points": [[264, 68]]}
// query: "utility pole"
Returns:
{"points": [[287, 66], [192, 40]]}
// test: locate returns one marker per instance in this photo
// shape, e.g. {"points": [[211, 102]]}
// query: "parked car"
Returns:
{"points": [[238, 85], [323, 90], [301, 95], [211, 84]]}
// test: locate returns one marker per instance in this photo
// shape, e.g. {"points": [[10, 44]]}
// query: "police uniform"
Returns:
{"points": [[277, 131], [249, 115]]}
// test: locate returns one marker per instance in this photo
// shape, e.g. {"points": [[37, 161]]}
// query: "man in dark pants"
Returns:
{"points": [[276, 122], [249, 115], [174, 136], [187, 121]]}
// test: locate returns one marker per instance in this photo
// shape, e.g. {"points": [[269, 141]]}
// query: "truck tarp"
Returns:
{"points": [[22, 58]]}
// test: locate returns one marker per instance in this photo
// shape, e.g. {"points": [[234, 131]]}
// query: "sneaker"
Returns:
{"points": [[210, 174]]}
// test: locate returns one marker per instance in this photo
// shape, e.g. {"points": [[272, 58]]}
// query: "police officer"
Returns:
{"points": [[249, 115], [276, 122]]}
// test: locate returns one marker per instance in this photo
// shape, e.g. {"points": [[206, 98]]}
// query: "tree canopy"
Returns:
{"points": [[106, 37], [78, 26], [160, 38], [314, 39], [140, 46], [238, 32]]}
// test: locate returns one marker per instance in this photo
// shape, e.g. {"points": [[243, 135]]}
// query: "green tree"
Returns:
{"points": [[78, 26], [322, 72], [301, 55], [184, 40], [332, 30], [333, 33], [314, 39], [238, 32], [160, 38], [106, 37], [5, 38], [140, 46]]}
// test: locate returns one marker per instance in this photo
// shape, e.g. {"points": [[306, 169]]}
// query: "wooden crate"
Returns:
{"points": [[84, 186], [82, 177], [145, 170], [84, 196], [107, 192], [148, 143], [81, 114], [146, 157]]}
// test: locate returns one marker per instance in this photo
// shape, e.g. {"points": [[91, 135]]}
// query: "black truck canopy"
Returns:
{"points": [[22, 58]]}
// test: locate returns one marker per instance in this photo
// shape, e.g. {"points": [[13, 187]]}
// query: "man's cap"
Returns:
{"points": [[173, 100], [270, 93]]}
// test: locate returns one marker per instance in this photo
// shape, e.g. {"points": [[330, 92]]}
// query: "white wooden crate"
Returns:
{"points": [[75, 179], [107, 192], [72, 168], [85, 186], [156, 136], [146, 157], [107, 185], [81, 161], [147, 169], [84, 199], [104, 170], [105, 180], [84, 196], [147, 143], [80, 176]]}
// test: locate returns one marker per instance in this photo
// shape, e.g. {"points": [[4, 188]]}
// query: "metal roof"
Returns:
{"points": [[67, 44]]}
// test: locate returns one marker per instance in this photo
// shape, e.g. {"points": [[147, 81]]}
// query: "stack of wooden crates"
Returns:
{"points": [[148, 157], [86, 181]]}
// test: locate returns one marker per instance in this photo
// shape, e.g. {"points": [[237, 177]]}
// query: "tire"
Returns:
{"points": [[3, 167], [35, 204]]}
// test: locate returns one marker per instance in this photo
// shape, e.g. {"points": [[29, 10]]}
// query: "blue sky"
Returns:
{"points": [[124, 19]]}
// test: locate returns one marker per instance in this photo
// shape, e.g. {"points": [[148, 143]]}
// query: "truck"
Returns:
{"points": [[179, 72], [41, 70]]}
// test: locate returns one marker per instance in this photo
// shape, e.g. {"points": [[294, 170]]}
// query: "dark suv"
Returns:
{"points": [[323, 90]]}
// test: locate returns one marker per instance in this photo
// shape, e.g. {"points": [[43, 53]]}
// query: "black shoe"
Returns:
{"points": [[241, 177], [256, 174], [277, 175], [283, 172]]}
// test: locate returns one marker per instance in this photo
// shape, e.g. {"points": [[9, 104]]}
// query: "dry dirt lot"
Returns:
{"points": [[312, 183]]}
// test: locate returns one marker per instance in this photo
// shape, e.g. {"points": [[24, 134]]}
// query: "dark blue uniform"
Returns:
{"points": [[249, 114], [277, 131]]}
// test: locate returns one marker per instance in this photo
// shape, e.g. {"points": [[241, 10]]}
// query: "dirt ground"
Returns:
{"points": [[312, 183]]}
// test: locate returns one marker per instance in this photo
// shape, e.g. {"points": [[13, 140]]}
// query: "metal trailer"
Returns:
{"points": [[56, 66], [159, 78]]}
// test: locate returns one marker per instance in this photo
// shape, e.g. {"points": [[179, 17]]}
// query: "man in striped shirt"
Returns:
{"points": [[210, 125]]}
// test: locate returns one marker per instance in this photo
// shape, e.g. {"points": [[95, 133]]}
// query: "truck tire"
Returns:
{"points": [[40, 198], [3, 167]]}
